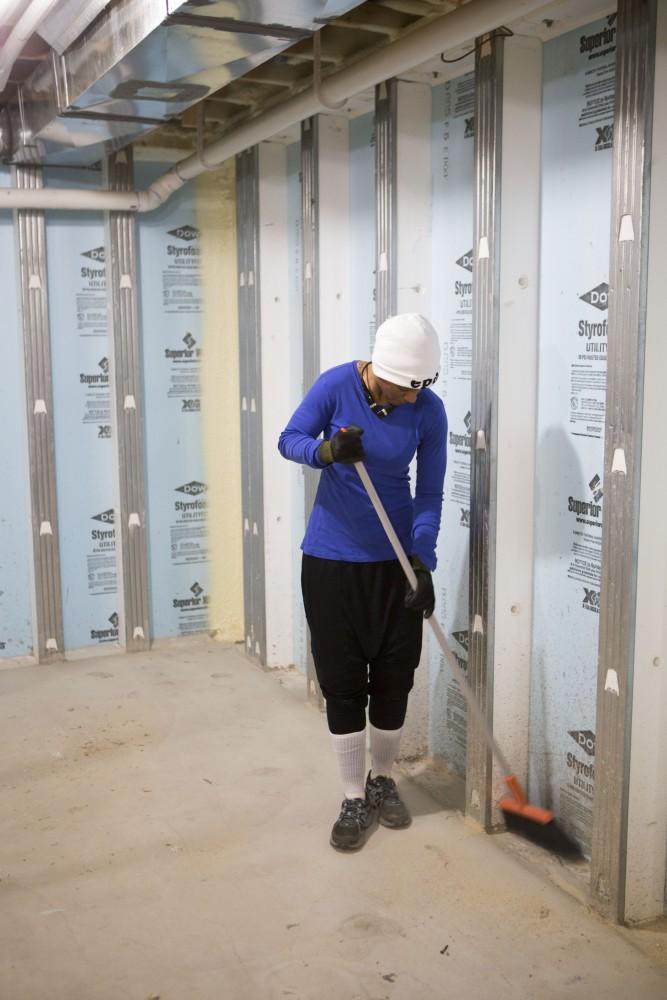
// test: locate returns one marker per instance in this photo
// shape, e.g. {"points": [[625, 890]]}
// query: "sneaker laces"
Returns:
{"points": [[352, 810], [384, 788]]}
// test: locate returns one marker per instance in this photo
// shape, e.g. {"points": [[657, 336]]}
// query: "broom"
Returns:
{"points": [[536, 824]]}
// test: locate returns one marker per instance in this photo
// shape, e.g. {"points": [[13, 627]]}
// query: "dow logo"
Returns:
{"points": [[189, 340], [465, 518], [467, 420], [187, 233], [466, 261], [104, 430], [462, 637], [193, 488], [106, 517], [469, 128], [196, 589], [585, 739], [114, 620], [98, 254], [591, 601], [604, 138], [104, 365], [598, 297]]}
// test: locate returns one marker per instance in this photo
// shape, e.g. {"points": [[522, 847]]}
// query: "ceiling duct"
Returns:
{"points": [[69, 20], [141, 63]]}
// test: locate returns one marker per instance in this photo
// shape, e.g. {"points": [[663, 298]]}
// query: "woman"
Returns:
{"points": [[365, 620]]}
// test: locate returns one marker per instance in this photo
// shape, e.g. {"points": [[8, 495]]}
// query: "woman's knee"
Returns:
{"points": [[388, 712], [346, 713]]}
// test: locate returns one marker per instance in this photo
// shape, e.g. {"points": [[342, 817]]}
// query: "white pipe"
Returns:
{"points": [[26, 26], [442, 35], [69, 199]]}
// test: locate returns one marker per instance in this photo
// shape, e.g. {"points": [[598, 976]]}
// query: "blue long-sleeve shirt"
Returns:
{"points": [[343, 524]]}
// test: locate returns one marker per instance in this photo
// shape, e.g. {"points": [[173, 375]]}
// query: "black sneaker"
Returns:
{"points": [[349, 830], [382, 793]]}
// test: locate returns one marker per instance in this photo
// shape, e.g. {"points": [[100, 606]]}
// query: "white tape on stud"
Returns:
{"points": [[52, 645], [618, 464], [40, 406], [138, 633], [129, 403], [477, 625], [133, 521], [309, 269], [242, 279], [382, 266], [483, 250], [35, 281], [251, 278], [45, 528], [627, 230], [480, 441], [611, 682]]}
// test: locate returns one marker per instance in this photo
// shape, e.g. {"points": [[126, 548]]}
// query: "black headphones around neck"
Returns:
{"points": [[379, 409]]}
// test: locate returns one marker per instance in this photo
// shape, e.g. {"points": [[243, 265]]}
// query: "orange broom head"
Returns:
{"points": [[534, 813], [534, 823], [519, 804]]}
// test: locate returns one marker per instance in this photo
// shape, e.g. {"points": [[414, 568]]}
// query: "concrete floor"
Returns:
{"points": [[164, 833]]}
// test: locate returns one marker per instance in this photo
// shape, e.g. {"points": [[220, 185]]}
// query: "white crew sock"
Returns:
{"points": [[384, 748], [350, 750]]}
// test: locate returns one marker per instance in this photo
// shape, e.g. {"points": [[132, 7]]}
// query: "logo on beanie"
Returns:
{"points": [[416, 384]]}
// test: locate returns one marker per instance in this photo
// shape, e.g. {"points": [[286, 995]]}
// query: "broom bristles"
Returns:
{"points": [[548, 835]]}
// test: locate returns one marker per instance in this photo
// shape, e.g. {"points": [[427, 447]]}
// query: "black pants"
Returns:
{"points": [[365, 643]]}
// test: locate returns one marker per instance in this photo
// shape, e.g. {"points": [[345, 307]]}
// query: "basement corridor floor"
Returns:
{"points": [[164, 834]]}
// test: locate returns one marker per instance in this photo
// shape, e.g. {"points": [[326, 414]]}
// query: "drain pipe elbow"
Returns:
{"points": [[317, 78], [160, 190]]}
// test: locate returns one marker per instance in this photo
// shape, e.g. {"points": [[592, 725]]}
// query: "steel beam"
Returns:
{"points": [[127, 410], [29, 225], [385, 196], [484, 414], [633, 116], [311, 318], [250, 356]]}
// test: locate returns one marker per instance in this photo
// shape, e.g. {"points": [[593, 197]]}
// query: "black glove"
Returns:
{"points": [[423, 598], [345, 446]]}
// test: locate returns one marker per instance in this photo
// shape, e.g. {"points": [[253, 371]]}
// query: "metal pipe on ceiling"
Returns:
{"points": [[446, 33]]}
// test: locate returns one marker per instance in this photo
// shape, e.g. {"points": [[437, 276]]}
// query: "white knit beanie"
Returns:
{"points": [[407, 351]]}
